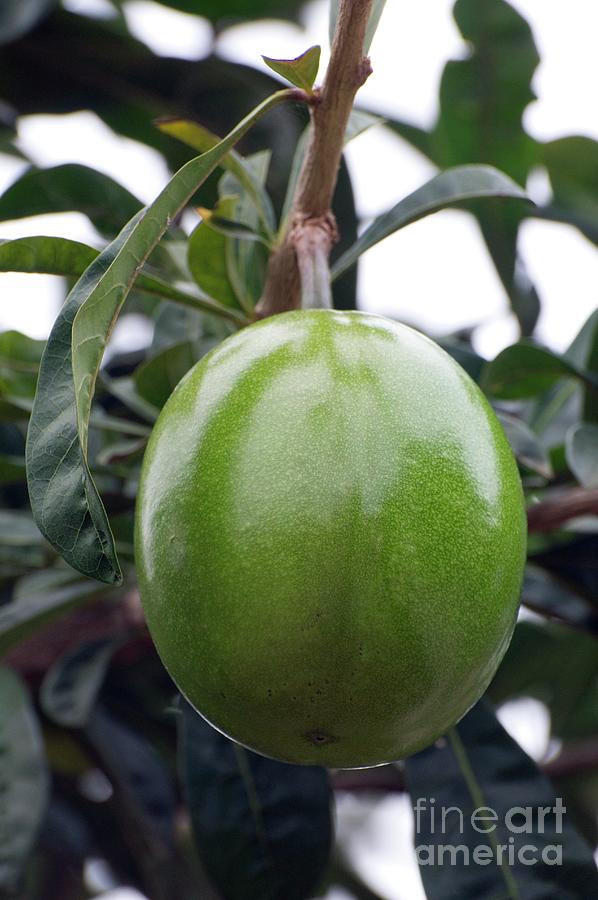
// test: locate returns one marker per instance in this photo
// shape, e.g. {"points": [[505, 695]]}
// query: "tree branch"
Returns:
{"points": [[549, 514], [312, 224]]}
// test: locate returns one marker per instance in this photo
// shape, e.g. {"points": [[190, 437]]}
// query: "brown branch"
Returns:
{"points": [[388, 779], [550, 514], [311, 219], [579, 757]]}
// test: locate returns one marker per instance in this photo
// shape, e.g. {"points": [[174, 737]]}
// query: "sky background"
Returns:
{"points": [[435, 274]]}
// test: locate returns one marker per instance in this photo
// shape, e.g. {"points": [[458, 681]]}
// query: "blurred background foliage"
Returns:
{"points": [[98, 758]]}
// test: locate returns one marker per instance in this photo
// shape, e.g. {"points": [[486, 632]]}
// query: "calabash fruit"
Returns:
{"points": [[330, 539]]}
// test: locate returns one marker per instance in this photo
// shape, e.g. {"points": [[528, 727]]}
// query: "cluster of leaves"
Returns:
{"points": [[98, 758]]}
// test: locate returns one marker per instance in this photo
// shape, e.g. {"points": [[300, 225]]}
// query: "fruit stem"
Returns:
{"points": [[311, 222]]}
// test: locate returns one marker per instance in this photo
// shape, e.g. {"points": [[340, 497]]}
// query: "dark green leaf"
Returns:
{"points": [[301, 71], [64, 498], [38, 599], [494, 796], [500, 228], [12, 469], [262, 828], [157, 377], [526, 369], [70, 187], [590, 397], [71, 686], [526, 446], [50, 255], [231, 10], [18, 16], [128, 87], [490, 85], [23, 779], [556, 665], [467, 358], [207, 257], [552, 598], [139, 777], [582, 454], [418, 137], [450, 187], [570, 165], [574, 561]]}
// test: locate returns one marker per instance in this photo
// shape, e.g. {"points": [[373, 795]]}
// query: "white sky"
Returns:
{"points": [[435, 273]]}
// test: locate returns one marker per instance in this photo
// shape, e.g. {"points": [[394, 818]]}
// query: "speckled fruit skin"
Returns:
{"points": [[330, 539]]}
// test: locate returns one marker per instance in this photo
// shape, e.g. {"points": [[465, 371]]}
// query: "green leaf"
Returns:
{"points": [[12, 469], [140, 779], [206, 257], [226, 10], [262, 828], [71, 187], [71, 685], [549, 597], [552, 663], [246, 262], [569, 162], [582, 453], [64, 498], [590, 398], [373, 21], [202, 140], [61, 256], [230, 227], [376, 12], [526, 446], [157, 377], [19, 363], [493, 796], [24, 779], [17, 17], [467, 358], [49, 255], [445, 189], [301, 71], [39, 598], [526, 369]]}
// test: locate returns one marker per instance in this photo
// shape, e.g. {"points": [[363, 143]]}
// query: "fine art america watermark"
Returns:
{"points": [[446, 827]]}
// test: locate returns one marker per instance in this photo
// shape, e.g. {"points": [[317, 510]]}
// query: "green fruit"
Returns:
{"points": [[330, 539]]}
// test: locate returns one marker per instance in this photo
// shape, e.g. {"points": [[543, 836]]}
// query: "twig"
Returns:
{"points": [[552, 513], [311, 220]]}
